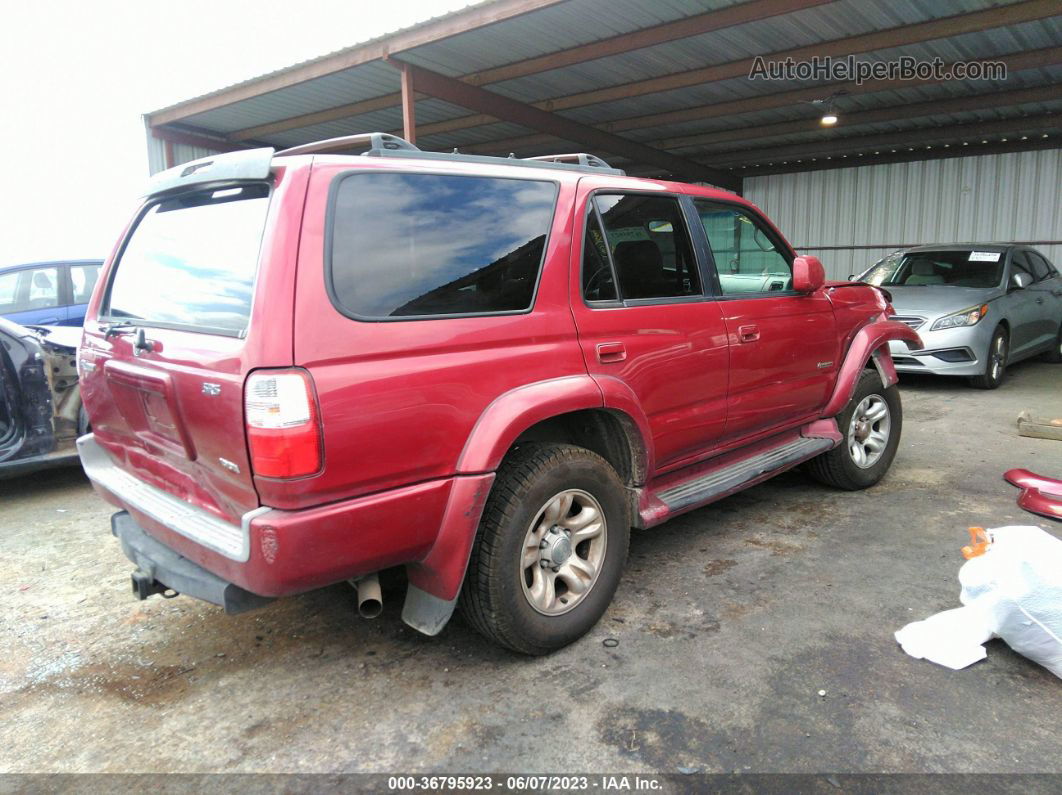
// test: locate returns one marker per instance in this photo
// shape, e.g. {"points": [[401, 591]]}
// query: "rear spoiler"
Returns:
{"points": [[247, 164]]}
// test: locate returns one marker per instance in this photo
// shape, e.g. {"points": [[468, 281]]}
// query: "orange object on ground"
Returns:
{"points": [[978, 545]]}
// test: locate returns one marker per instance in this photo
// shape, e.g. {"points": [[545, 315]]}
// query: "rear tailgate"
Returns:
{"points": [[198, 294]]}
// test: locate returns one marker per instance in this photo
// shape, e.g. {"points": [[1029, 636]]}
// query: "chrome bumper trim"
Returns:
{"points": [[232, 541]]}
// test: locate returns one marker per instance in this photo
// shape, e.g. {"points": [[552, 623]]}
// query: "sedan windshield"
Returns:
{"points": [[969, 268]]}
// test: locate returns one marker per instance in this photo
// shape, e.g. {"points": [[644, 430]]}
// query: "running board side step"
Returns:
{"points": [[715, 479]]}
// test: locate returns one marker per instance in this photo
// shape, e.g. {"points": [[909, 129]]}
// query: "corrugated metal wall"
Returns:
{"points": [[181, 153], [992, 197]]}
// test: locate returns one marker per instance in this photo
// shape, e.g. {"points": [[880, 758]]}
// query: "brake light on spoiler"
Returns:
{"points": [[283, 423]]}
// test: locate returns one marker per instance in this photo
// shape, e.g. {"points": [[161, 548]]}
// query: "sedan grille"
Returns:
{"points": [[910, 320]]}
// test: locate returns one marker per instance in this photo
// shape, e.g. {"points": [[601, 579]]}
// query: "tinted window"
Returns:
{"points": [[407, 245], [649, 245], [598, 282], [1040, 267], [1019, 263], [746, 258], [84, 279], [191, 261]]}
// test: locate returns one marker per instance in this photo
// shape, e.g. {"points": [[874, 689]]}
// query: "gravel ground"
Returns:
{"points": [[730, 621]]}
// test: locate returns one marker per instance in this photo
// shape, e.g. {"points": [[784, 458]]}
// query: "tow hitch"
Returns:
{"points": [[145, 585]]}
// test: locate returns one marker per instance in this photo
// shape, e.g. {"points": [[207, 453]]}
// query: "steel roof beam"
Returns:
{"points": [[450, 89], [624, 42], [1016, 62]]}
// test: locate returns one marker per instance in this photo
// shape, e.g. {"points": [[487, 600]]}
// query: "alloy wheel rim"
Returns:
{"points": [[868, 431], [999, 356], [563, 551]]}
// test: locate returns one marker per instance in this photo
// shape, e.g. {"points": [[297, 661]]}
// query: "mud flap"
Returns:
{"points": [[426, 613]]}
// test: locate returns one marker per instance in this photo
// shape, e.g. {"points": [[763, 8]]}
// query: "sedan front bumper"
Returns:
{"points": [[954, 351]]}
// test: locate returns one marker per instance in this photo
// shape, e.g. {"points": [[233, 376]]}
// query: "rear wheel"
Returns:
{"points": [[550, 549], [871, 425], [995, 362]]}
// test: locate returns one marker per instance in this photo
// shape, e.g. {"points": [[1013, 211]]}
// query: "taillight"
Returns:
{"points": [[283, 428]]}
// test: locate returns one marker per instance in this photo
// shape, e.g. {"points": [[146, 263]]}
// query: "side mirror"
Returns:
{"points": [[808, 274], [1019, 281]]}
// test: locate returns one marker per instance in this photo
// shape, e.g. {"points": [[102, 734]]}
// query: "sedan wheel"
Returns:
{"points": [[995, 362]]}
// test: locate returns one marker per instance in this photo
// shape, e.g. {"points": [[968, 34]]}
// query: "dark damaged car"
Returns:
{"points": [[40, 404]]}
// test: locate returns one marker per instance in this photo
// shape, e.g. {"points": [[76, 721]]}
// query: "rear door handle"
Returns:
{"points": [[748, 333], [611, 352]]}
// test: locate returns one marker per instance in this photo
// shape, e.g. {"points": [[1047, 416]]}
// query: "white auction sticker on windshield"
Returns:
{"points": [[984, 256]]}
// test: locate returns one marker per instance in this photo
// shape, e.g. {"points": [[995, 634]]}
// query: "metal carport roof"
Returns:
{"points": [[664, 87]]}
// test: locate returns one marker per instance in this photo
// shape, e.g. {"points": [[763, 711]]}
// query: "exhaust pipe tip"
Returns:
{"points": [[370, 608], [370, 598]]}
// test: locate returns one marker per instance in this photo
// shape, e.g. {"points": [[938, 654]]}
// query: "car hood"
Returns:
{"points": [[61, 336], [931, 300]]}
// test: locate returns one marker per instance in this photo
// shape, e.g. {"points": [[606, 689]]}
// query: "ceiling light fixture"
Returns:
{"points": [[829, 112]]}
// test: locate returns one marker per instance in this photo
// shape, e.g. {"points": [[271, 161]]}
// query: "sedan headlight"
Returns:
{"points": [[967, 317]]}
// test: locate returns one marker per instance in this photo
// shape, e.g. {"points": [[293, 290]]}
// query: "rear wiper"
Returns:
{"points": [[117, 327]]}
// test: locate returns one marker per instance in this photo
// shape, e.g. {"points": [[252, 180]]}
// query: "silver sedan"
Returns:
{"points": [[977, 306]]}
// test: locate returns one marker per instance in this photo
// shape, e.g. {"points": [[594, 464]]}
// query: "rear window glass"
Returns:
{"points": [[409, 245], [191, 261]]}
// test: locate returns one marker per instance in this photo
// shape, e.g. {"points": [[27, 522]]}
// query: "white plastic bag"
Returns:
{"points": [[1013, 591]]}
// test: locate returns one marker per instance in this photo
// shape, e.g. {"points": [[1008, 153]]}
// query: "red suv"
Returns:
{"points": [[302, 368]]}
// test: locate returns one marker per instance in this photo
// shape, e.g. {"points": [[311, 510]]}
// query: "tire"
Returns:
{"points": [[995, 361], [83, 424], [499, 594], [839, 467], [1055, 354]]}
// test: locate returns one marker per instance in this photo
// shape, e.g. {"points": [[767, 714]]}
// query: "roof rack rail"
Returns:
{"points": [[577, 158], [379, 144], [386, 145]]}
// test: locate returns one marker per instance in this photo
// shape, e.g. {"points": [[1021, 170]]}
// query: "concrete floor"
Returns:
{"points": [[730, 620]]}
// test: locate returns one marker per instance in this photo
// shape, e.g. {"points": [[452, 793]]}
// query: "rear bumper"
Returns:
{"points": [[202, 527], [273, 552], [159, 567]]}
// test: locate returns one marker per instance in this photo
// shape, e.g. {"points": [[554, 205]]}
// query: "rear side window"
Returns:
{"points": [[418, 245], [650, 248], [83, 279], [1039, 266], [191, 262]]}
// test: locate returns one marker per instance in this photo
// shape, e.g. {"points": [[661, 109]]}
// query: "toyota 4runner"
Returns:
{"points": [[304, 367]]}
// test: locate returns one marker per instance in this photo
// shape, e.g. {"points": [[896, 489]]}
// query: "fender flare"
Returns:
{"points": [[870, 344], [435, 581], [620, 399], [513, 412]]}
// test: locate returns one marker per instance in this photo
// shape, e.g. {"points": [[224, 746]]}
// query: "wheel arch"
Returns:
{"points": [[570, 409], [869, 347]]}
